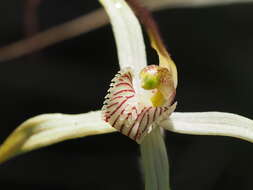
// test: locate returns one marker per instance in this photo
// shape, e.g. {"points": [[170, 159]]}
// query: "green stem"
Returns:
{"points": [[154, 161]]}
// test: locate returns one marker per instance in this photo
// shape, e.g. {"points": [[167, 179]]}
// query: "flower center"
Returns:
{"points": [[134, 110], [159, 80]]}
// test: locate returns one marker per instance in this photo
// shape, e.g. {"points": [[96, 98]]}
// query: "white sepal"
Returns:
{"points": [[210, 123]]}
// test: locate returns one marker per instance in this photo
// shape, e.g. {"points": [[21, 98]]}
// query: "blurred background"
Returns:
{"points": [[212, 48]]}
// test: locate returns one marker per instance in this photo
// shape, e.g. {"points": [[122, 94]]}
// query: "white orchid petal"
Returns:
{"points": [[155, 161], [48, 129], [128, 35], [211, 123]]}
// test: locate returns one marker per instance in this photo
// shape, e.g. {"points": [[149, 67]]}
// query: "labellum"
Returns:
{"points": [[133, 109]]}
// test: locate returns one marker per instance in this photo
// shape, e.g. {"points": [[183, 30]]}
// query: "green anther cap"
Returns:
{"points": [[150, 77], [150, 82]]}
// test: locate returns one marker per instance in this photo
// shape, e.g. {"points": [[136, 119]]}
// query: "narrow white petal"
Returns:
{"points": [[211, 123], [128, 34], [155, 161], [48, 129]]}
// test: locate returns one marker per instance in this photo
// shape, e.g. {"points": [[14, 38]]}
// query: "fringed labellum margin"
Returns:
{"points": [[127, 110]]}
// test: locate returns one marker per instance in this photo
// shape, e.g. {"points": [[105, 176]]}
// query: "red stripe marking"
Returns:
{"points": [[115, 121], [122, 126], [154, 116], [146, 122], [109, 106], [129, 132], [138, 131], [121, 91], [131, 78], [123, 84], [118, 118], [138, 134], [160, 113], [122, 111], [118, 107], [148, 117], [127, 98], [107, 118], [134, 108], [116, 98], [127, 76], [172, 97]]}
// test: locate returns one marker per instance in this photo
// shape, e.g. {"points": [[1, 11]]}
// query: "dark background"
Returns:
{"points": [[212, 48]]}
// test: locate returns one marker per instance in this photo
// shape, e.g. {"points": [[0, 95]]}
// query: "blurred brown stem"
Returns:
{"points": [[56, 34], [84, 24]]}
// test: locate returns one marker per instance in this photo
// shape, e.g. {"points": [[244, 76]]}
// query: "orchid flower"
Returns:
{"points": [[139, 104]]}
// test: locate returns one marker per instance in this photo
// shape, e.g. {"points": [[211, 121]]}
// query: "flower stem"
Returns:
{"points": [[154, 161]]}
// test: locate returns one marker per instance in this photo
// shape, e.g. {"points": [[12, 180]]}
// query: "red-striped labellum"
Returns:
{"points": [[129, 109]]}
